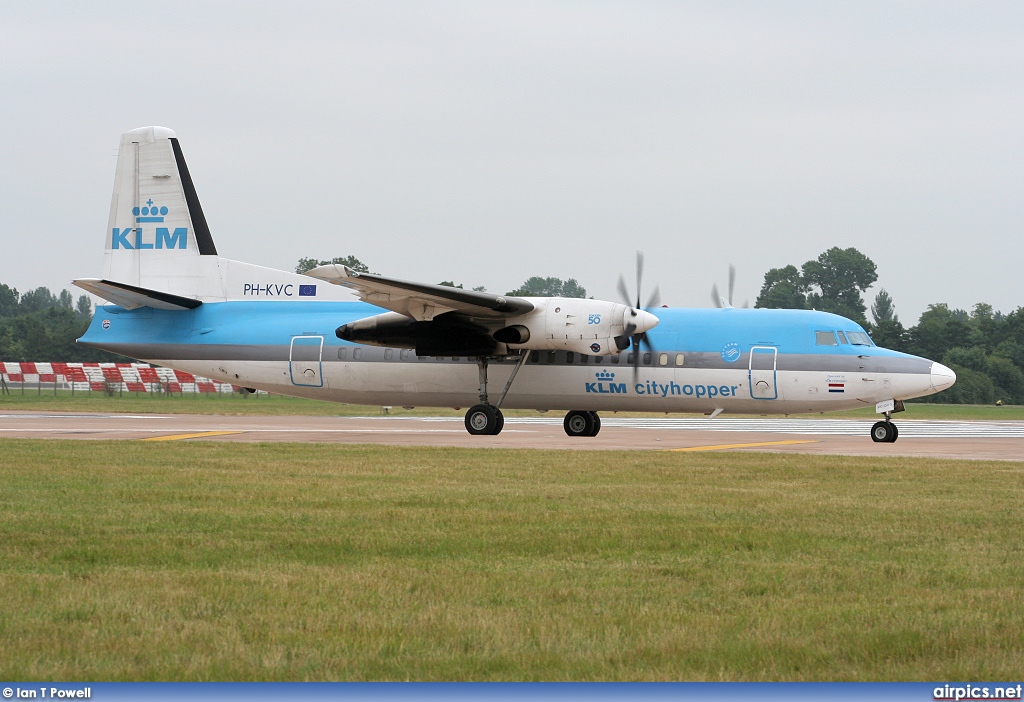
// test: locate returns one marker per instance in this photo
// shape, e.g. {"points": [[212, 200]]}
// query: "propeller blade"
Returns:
{"points": [[639, 275], [655, 299], [624, 292], [636, 357], [631, 337], [714, 295]]}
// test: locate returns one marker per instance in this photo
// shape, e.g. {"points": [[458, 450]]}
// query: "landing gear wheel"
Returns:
{"points": [[579, 423], [884, 432], [484, 420], [597, 424]]}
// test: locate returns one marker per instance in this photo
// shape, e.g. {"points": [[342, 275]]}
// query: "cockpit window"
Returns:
{"points": [[842, 338], [859, 338], [825, 338]]}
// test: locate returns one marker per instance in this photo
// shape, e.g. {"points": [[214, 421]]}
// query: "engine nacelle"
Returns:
{"points": [[592, 327]]}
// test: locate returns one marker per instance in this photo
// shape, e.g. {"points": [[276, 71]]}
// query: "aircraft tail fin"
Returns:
{"points": [[157, 235], [159, 252]]}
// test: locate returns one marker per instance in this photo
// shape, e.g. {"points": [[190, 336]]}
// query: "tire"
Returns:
{"points": [[883, 432], [579, 423], [484, 420], [597, 423], [895, 434]]}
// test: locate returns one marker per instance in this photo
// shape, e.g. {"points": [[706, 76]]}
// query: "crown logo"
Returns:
{"points": [[149, 212], [605, 375]]}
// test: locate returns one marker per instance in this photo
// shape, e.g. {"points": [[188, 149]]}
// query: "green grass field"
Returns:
{"points": [[215, 561], [279, 405]]}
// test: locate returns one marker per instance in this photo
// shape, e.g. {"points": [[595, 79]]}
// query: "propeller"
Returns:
{"points": [[639, 319], [726, 302]]}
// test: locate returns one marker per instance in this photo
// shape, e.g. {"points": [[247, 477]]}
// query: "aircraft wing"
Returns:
{"points": [[421, 301]]}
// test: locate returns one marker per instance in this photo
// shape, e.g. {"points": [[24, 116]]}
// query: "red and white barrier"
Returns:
{"points": [[116, 377]]}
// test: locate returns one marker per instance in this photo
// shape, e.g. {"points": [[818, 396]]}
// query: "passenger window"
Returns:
{"points": [[406, 353], [616, 358], [630, 358], [357, 354], [388, 353], [583, 358], [842, 338], [534, 356], [663, 359], [597, 360], [825, 338], [679, 359], [570, 357], [342, 354], [551, 357], [647, 359]]}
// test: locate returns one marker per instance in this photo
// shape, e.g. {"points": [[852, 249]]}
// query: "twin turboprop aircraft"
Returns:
{"points": [[177, 303]]}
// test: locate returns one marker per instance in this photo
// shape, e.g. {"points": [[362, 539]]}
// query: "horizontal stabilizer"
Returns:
{"points": [[130, 297]]}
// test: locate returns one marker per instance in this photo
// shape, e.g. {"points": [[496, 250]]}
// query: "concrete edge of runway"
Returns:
{"points": [[1002, 441]]}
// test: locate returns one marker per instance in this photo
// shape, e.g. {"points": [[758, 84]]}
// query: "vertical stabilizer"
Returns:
{"points": [[159, 251], [157, 236]]}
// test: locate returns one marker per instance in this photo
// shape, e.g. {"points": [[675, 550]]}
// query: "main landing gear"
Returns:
{"points": [[580, 423], [485, 419]]}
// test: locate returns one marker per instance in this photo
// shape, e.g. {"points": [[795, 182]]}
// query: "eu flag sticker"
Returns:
{"points": [[307, 291]]}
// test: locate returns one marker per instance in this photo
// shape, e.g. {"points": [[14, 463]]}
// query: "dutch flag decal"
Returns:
{"points": [[837, 387]]}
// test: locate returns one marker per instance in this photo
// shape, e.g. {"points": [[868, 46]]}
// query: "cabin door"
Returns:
{"points": [[762, 372], [304, 360]]}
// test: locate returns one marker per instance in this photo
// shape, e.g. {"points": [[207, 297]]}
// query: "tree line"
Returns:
{"points": [[984, 347], [41, 326]]}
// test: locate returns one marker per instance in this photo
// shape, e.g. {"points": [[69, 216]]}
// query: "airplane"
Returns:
{"points": [[346, 336]]}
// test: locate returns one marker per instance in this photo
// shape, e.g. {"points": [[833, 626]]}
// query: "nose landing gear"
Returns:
{"points": [[884, 432]]}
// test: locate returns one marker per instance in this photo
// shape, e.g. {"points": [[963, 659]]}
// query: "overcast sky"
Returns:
{"points": [[488, 142]]}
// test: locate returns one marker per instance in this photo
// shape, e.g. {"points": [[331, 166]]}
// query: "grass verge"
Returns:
{"points": [[207, 561]]}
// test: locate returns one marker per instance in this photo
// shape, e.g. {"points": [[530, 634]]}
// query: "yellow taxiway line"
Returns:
{"points": [[736, 446], [200, 435]]}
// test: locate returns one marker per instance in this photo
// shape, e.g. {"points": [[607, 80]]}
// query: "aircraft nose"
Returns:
{"points": [[942, 377], [644, 320]]}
